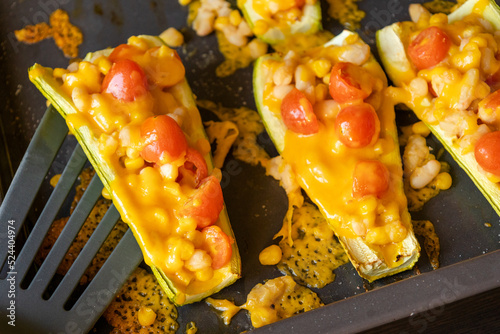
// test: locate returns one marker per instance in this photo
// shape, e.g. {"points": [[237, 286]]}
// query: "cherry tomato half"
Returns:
{"points": [[487, 152], [205, 204], [197, 164], [371, 177], [163, 138], [349, 82], [357, 125], [297, 113], [218, 246], [429, 48], [125, 80]]}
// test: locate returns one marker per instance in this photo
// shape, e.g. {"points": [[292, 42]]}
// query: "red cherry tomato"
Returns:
{"points": [[487, 152], [297, 113], [205, 204], [125, 80], [124, 51], [218, 246], [429, 48], [491, 101], [163, 138], [349, 82], [197, 164], [357, 125], [371, 177]]}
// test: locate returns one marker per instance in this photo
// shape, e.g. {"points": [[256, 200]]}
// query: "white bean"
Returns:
{"points": [[422, 176]]}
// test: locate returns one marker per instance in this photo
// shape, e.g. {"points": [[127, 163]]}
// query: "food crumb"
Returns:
{"points": [[66, 36], [487, 224]]}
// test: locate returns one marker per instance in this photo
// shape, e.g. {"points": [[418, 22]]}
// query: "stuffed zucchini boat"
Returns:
{"points": [[275, 20], [447, 70], [326, 113], [134, 114]]}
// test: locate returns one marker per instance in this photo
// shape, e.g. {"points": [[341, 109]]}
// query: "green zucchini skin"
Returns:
{"points": [[365, 260], [309, 24], [396, 62], [43, 79]]}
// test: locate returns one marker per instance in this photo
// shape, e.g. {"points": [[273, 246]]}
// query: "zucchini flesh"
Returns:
{"points": [[400, 70], [310, 22], [367, 259], [44, 80]]}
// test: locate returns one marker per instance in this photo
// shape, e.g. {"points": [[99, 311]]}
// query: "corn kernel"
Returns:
{"points": [[260, 27], [184, 276], [321, 91], [205, 274], [326, 79], [438, 19], [161, 218], [54, 180], [270, 255], [138, 42], [104, 65], [105, 193], [420, 128], [184, 2], [221, 22], [58, 72], [321, 67], [479, 41], [146, 316], [482, 90], [443, 181], [235, 17], [133, 163], [172, 37]]}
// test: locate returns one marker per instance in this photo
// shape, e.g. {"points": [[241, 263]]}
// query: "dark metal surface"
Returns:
{"points": [[255, 202]]}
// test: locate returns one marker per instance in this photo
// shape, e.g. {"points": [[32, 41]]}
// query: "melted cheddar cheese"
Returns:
{"points": [[448, 95], [276, 299], [324, 166], [149, 196]]}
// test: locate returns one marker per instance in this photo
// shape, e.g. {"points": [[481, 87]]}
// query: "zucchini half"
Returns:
{"points": [[43, 79], [310, 22], [400, 70], [367, 259]]}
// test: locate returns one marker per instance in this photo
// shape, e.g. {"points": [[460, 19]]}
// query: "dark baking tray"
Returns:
{"points": [[470, 255]]}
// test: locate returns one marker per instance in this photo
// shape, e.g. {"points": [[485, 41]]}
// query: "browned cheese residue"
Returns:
{"points": [[276, 299], [66, 36], [346, 12], [141, 293], [432, 247]]}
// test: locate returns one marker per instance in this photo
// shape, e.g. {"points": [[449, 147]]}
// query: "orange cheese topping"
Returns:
{"points": [[454, 95], [148, 195], [324, 166]]}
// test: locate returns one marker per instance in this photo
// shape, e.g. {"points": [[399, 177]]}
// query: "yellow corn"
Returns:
{"points": [[172, 37], [184, 2], [321, 67], [134, 163], [221, 22], [321, 91], [104, 65], [443, 181], [420, 128], [260, 27], [58, 72], [438, 19], [270, 255], [138, 42], [105, 193], [204, 274], [146, 316], [184, 276], [326, 79], [235, 17]]}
